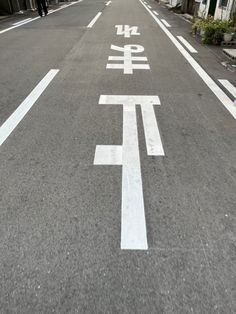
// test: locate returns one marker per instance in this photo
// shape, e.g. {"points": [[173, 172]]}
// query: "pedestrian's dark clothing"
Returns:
{"points": [[41, 4]]}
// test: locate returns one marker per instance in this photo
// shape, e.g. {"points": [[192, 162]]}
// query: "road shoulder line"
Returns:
{"points": [[223, 98], [11, 123]]}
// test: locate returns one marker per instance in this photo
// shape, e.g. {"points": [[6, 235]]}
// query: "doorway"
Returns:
{"points": [[212, 7]]}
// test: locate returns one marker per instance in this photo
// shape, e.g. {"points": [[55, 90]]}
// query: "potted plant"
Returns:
{"points": [[228, 37], [229, 31]]}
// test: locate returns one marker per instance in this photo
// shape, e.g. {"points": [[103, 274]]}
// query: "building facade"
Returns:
{"points": [[220, 9], [13, 6]]}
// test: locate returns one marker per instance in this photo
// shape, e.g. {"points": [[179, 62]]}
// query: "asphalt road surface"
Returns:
{"points": [[117, 166]]}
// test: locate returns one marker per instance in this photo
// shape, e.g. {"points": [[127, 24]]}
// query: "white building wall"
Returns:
{"points": [[222, 13], [173, 3], [203, 9]]}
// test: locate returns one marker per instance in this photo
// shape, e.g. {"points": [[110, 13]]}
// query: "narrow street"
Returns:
{"points": [[117, 164]]}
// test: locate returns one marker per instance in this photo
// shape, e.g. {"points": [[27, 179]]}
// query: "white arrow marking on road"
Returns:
{"points": [[10, 124], [133, 222]]}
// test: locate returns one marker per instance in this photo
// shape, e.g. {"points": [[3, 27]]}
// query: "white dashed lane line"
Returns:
{"points": [[90, 25], [165, 23], [230, 87], [187, 44], [219, 93]]}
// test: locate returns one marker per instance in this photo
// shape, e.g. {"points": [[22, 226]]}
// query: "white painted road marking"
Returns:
{"points": [[128, 66], [10, 124], [90, 25], [230, 87], [109, 2], [187, 44], [224, 99], [18, 25], [64, 6], [22, 21], [166, 23], [149, 7], [151, 130], [127, 30], [108, 155], [38, 17], [155, 12], [133, 222]]}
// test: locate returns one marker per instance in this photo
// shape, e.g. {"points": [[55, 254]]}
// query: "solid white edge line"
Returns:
{"points": [[90, 25], [12, 27], [230, 87], [22, 21], [166, 23], [223, 98], [187, 44], [10, 124], [38, 17]]}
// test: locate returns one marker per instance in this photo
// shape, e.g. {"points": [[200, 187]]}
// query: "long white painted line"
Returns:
{"points": [[133, 222], [10, 124], [38, 17], [17, 23], [151, 130], [65, 6], [166, 23], [224, 99], [187, 44], [230, 87], [90, 25], [15, 26], [155, 12], [109, 2]]}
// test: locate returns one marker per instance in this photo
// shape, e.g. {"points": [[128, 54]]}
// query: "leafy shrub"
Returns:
{"points": [[213, 30]]}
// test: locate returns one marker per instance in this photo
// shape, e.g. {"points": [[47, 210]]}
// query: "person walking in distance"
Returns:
{"points": [[41, 4]]}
